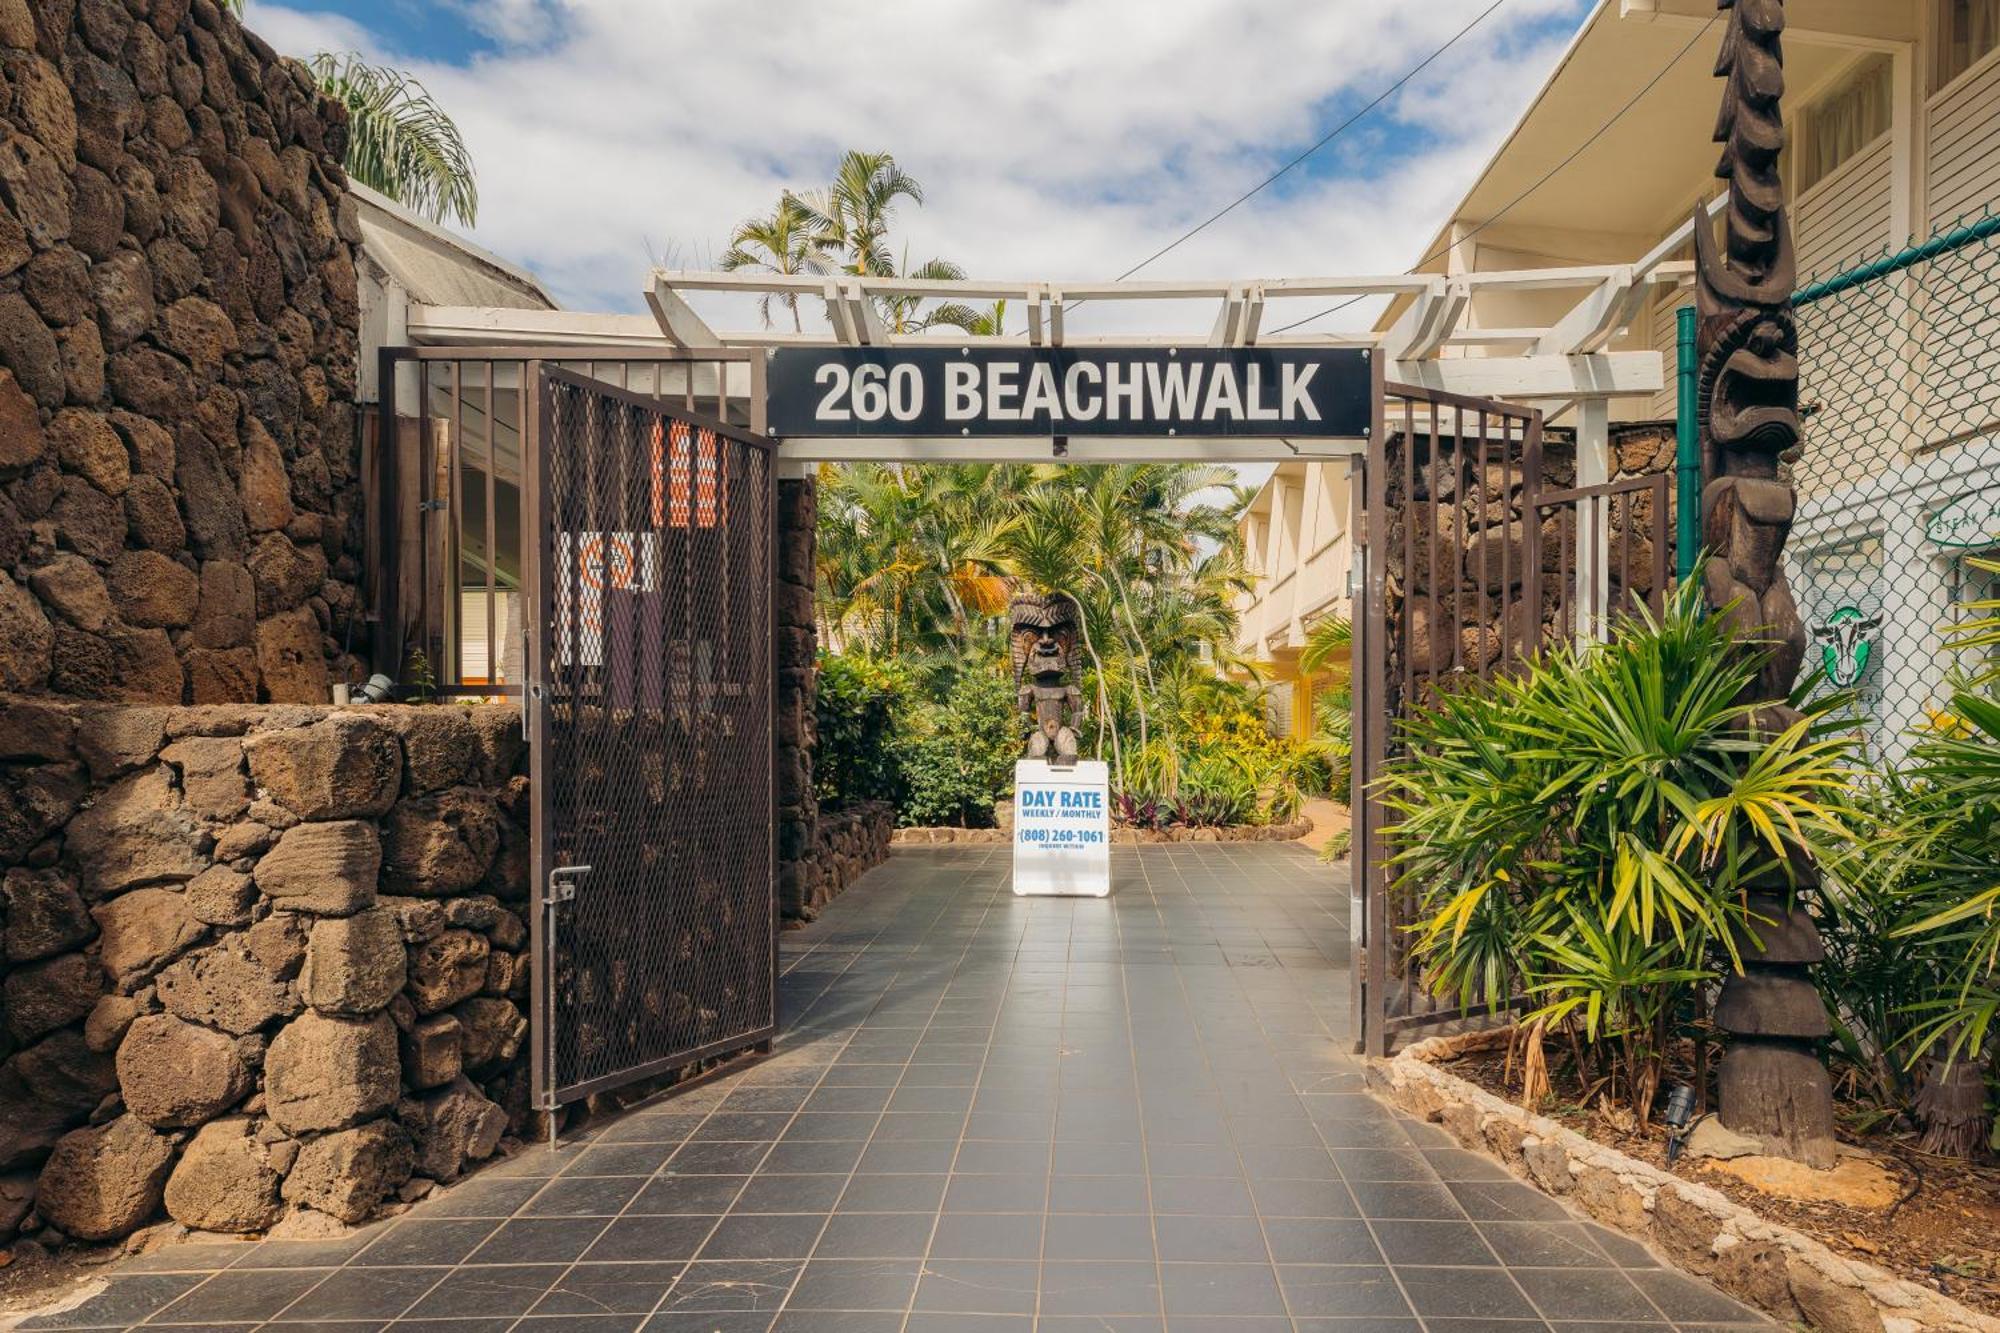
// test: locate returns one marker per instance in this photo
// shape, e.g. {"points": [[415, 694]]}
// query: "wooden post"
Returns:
{"points": [[1773, 1087]]}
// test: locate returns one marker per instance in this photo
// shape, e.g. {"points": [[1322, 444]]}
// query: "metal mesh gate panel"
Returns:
{"points": [[651, 694], [1479, 545]]}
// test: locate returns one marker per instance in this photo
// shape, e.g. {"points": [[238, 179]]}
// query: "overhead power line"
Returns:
{"points": [[1547, 176], [1322, 142]]}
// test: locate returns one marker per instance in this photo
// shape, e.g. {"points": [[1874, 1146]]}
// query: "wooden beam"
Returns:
{"points": [[459, 326], [873, 330], [1602, 375], [1410, 325], [1227, 331], [1595, 320], [677, 319], [1426, 324], [840, 316]]}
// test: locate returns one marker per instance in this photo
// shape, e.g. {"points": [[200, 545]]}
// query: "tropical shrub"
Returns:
{"points": [[1216, 767], [1912, 919], [1329, 648], [1585, 832], [1946, 877], [958, 760], [1880, 983], [859, 712]]}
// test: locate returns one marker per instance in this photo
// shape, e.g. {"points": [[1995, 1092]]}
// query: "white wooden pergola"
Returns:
{"points": [[1565, 367]]}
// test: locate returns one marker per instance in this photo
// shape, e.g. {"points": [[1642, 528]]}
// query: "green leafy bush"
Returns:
{"points": [[958, 760], [861, 706], [1218, 769], [1912, 919], [1587, 831]]}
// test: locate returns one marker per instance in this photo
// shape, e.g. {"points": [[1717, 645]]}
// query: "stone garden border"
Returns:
{"points": [[1774, 1268]]}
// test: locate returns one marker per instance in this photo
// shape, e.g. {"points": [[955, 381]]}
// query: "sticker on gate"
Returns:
{"points": [[588, 565], [687, 476]]}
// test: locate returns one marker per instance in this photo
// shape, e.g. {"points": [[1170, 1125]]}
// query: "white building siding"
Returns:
{"points": [[1845, 216], [1964, 127]]}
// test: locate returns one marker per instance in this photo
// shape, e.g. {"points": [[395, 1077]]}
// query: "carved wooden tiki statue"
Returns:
{"points": [[1774, 1087]]}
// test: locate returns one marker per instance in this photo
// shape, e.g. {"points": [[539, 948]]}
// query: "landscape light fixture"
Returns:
{"points": [[1679, 1118]]}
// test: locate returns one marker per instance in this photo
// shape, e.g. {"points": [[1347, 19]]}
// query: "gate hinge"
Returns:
{"points": [[562, 882]]}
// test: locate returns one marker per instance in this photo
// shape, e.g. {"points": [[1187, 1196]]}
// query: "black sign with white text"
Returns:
{"points": [[1082, 391]]}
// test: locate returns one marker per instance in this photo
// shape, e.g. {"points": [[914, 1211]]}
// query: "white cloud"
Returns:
{"points": [[1055, 138], [512, 22]]}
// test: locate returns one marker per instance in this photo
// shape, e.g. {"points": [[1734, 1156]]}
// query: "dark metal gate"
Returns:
{"points": [[650, 685], [1474, 547]]}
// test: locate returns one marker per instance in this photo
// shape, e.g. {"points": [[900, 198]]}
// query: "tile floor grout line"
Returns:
{"points": [[1139, 1093], [749, 1176], [1055, 1123], [519, 1214], [978, 1080], [625, 1211], [1256, 1208], [779, 1311]]}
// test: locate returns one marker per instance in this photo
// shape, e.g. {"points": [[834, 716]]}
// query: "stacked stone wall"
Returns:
{"points": [[801, 881], [257, 959], [180, 519], [847, 844], [1475, 541]]}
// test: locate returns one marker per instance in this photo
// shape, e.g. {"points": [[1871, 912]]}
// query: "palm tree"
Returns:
{"points": [[848, 223], [785, 243], [988, 323], [904, 314], [399, 140], [916, 561], [851, 216]]}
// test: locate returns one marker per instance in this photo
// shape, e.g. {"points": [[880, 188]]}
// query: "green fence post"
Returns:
{"points": [[1687, 451]]}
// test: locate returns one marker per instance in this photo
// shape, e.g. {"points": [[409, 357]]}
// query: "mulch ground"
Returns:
{"points": [[1944, 1232], [30, 1280]]}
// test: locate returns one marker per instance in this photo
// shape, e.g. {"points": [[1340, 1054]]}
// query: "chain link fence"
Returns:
{"points": [[1898, 474]]}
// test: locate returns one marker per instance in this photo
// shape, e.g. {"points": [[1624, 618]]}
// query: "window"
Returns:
{"points": [[1966, 31], [1853, 113]]}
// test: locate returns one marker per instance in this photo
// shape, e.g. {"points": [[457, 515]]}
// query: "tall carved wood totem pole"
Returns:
{"points": [[1774, 1087]]}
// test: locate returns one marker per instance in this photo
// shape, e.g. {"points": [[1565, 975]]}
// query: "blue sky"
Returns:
{"points": [[1056, 138], [422, 28]]}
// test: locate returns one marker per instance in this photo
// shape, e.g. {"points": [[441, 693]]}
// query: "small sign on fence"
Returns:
{"points": [[1062, 829], [1969, 523], [588, 566]]}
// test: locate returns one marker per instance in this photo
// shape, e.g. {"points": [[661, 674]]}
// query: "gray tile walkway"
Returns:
{"points": [[989, 1114]]}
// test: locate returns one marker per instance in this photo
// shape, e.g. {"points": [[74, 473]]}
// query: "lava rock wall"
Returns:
{"points": [[1472, 540], [180, 518], [255, 959]]}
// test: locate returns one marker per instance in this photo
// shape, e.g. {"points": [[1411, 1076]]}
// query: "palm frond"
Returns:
{"points": [[400, 141]]}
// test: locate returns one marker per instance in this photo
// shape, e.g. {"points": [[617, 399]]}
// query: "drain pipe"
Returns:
{"points": [[1687, 451]]}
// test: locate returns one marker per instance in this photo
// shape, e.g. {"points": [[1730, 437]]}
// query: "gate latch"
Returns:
{"points": [[562, 882]]}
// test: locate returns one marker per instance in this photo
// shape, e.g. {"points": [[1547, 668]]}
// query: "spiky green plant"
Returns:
{"points": [[1584, 832], [1941, 875], [399, 140]]}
